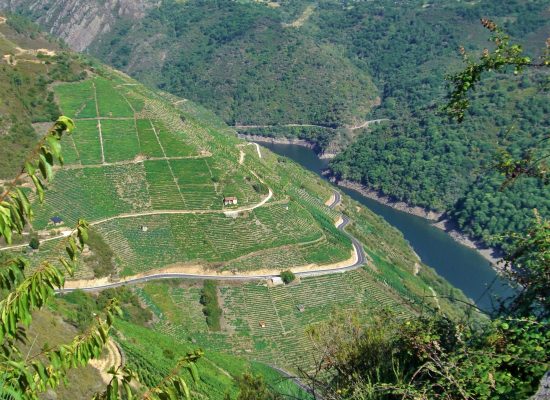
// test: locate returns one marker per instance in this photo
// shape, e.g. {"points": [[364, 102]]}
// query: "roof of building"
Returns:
{"points": [[56, 219], [229, 198]]}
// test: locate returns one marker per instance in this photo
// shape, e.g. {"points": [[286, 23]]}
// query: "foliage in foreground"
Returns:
{"points": [[434, 357], [24, 292]]}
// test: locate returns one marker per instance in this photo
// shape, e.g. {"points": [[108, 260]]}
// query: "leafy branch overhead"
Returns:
{"points": [[25, 377], [504, 57], [15, 207]]}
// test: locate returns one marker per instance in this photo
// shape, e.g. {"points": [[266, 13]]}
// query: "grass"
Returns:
{"points": [[120, 140], [266, 324]]}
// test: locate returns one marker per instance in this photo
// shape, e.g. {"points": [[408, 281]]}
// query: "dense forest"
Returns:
{"points": [[334, 64], [423, 158], [241, 60]]}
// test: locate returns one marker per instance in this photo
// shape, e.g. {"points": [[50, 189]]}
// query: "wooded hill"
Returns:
{"points": [[329, 64], [149, 171]]}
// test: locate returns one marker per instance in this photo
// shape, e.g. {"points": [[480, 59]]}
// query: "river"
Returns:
{"points": [[463, 267]]}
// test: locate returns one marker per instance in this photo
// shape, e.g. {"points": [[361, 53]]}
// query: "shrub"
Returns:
{"points": [[211, 309], [34, 243], [287, 276]]}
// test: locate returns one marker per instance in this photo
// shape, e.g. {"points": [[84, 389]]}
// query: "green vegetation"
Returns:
{"points": [[309, 63], [25, 86], [419, 156], [433, 356], [287, 276], [253, 387], [211, 309], [100, 258], [27, 372], [328, 64], [196, 156], [269, 324], [34, 243], [239, 59]]}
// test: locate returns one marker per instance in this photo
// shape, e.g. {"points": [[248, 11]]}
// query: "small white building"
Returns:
{"points": [[275, 281], [228, 201]]}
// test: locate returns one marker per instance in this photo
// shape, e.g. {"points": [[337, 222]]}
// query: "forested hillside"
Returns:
{"points": [[420, 156], [242, 61], [27, 97], [150, 172]]}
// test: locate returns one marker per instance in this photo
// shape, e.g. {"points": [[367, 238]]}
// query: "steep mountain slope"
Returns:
{"points": [[79, 23], [29, 64], [244, 60], [150, 170], [304, 69]]}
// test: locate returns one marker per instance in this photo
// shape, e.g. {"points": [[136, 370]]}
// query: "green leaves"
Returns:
{"points": [[503, 56], [65, 124], [174, 386], [51, 369], [33, 292], [12, 272], [15, 208]]}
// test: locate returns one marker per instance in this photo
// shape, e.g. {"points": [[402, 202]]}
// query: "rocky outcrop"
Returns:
{"points": [[79, 22]]}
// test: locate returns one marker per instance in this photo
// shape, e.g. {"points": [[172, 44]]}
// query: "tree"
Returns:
{"points": [[288, 276], [23, 377], [253, 387], [500, 356], [504, 57], [34, 243]]}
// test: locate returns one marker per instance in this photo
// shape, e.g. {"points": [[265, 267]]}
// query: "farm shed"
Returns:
{"points": [[56, 221], [275, 281], [229, 200]]}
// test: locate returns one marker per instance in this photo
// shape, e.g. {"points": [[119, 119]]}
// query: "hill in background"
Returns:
{"points": [[149, 171], [317, 70]]}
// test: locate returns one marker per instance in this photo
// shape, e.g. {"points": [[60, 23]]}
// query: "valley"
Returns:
{"points": [[235, 266]]}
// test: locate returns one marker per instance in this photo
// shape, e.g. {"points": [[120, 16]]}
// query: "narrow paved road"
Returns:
{"points": [[363, 124], [361, 260], [367, 123]]}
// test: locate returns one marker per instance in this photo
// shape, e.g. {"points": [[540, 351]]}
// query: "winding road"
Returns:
{"points": [[359, 258], [363, 124], [360, 261]]}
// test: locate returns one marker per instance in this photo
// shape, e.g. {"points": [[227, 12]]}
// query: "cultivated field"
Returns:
{"points": [[269, 324], [150, 173]]}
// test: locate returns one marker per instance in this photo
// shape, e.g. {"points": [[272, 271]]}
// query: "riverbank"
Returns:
{"points": [[437, 218], [297, 142], [266, 139]]}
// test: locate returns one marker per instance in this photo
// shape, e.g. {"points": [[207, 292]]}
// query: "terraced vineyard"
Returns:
{"points": [[269, 324], [151, 177], [150, 173]]}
